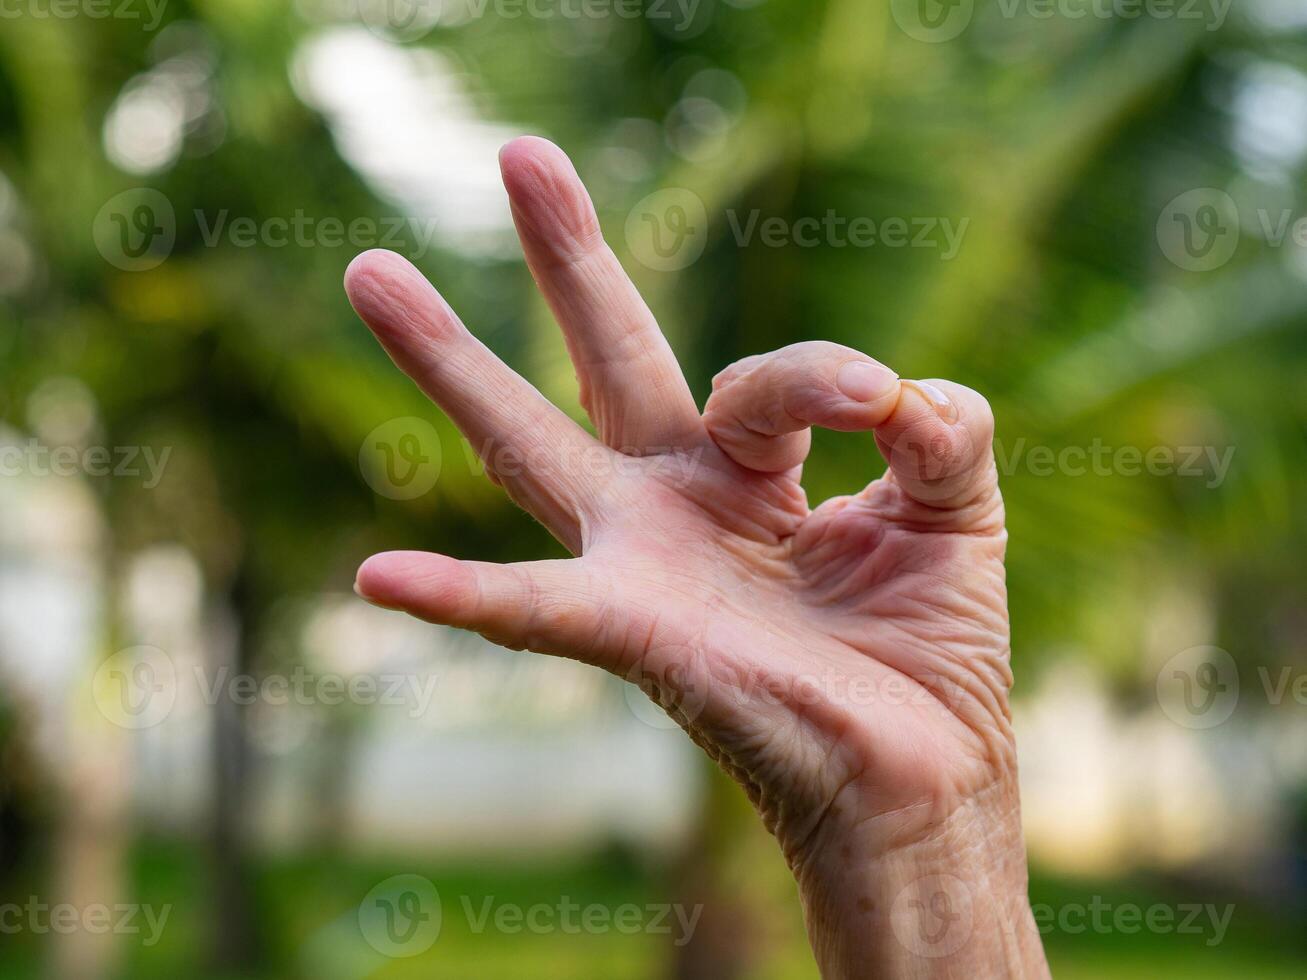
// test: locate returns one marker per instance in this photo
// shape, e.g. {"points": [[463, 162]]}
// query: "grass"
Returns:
{"points": [[306, 915]]}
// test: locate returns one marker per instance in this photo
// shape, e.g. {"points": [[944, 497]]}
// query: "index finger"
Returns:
{"points": [[526, 442]]}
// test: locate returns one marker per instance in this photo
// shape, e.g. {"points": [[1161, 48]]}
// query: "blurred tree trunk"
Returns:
{"points": [[332, 767], [91, 836], [751, 924], [234, 940], [721, 946], [91, 855]]}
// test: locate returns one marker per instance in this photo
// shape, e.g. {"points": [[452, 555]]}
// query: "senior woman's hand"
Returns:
{"points": [[847, 665]]}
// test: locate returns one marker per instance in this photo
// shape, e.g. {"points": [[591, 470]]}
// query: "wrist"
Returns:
{"points": [[933, 892]]}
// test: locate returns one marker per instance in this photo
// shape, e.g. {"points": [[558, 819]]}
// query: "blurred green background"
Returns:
{"points": [[1089, 211]]}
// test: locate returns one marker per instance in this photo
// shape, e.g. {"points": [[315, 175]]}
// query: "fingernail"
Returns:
{"points": [[865, 382], [947, 410]]}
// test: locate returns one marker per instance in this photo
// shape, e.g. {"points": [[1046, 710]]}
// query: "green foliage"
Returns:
{"points": [[1058, 141]]}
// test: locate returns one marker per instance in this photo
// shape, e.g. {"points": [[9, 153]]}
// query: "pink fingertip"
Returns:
{"points": [[547, 195], [389, 577]]}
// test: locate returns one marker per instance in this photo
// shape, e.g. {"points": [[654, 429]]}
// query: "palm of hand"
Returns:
{"points": [[812, 652], [859, 647]]}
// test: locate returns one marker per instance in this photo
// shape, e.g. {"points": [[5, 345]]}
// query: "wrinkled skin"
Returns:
{"points": [[848, 665]]}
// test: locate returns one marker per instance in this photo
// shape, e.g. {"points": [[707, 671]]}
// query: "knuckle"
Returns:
{"points": [[736, 371], [715, 413], [817, 350]]}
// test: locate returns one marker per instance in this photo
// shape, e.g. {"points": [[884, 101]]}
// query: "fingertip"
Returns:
{"points": [[932, 397], [533, 167], [551, 205], [372, 265], [938, 440], [399, 305], [528, 151], [394, 578], [375, 276], [373, 581]]}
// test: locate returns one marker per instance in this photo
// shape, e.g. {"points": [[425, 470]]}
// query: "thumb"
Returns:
{"points": [[545, 606], [938, 442]]}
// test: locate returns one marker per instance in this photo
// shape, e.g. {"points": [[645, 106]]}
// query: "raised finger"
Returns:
{"points": [[630, 381], [526, 443]]}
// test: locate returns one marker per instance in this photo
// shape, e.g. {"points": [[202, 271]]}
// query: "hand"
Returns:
{"points": [[848, 665]]}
